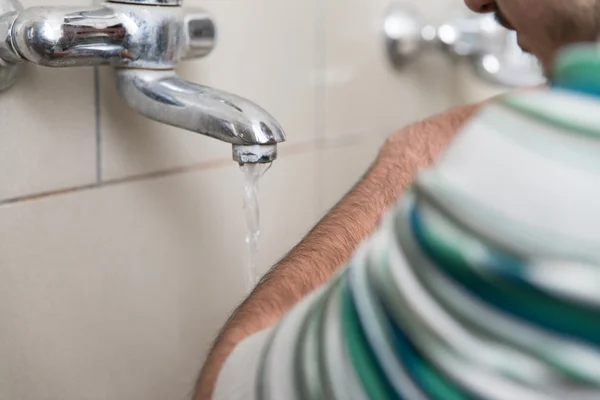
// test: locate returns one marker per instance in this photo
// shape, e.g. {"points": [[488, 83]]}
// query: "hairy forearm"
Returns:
{"points": [[331, 243]]}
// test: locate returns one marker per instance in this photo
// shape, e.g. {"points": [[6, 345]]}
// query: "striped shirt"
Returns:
{"points": [[482, 283]]}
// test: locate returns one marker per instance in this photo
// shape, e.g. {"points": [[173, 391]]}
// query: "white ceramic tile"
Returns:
{"points": [[48, 131], [474, 89], [342, 167], [364, 94], [54, 3], [48, 135], [115, 293], [265, 52]]}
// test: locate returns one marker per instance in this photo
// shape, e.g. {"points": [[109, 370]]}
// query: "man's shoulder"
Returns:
{"points": [[569, 110], [539, 111]]}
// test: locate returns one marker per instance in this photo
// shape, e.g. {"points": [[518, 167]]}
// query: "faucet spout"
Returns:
{"points": [[163, 96], [144, 40]]}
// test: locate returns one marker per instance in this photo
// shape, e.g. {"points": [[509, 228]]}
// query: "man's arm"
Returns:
{"points": [[331, 243]]}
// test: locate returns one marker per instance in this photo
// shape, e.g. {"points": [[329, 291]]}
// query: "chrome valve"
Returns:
{"points": [[144, 40], [491, 49]]}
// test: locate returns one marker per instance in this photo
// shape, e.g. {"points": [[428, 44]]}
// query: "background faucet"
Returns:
{"points": [[144, 40]]}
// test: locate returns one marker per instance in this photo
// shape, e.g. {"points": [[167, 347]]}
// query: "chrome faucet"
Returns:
{"points": [[144, 40]]}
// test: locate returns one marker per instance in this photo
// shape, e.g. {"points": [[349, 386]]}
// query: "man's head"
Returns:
{"points": [[544, 26]]}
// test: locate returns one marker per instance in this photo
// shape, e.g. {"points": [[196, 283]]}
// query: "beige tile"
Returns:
{"points": [[48, 131], [474, 88], [115, 293], [364, 94], [265, 52], [342, 167]]}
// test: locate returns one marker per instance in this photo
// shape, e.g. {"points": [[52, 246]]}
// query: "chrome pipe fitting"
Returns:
{"points": [[144, 40]]}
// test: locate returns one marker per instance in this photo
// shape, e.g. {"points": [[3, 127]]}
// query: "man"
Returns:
{"points": [[544, 27]]}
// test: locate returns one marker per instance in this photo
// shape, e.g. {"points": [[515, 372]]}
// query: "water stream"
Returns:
{"points": [[252, 174]]}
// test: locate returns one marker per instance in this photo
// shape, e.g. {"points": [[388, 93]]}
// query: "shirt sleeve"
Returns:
{"points": [[237, 379]]}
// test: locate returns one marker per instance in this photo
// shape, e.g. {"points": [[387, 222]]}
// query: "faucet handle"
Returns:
{"points": [[200, 33]]}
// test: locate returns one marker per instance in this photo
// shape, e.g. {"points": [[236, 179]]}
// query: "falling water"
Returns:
{"points": [[252, 173]]}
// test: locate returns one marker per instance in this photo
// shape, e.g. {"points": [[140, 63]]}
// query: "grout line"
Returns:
{"points": [[347, 140], [117, 181], [207, 165], [320, 115], [98, 126]]}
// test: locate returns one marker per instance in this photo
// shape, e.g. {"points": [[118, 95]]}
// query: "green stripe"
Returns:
{"points": [[433, 381], [549, 115], [532, 306], [462, 242], [363, 359]]}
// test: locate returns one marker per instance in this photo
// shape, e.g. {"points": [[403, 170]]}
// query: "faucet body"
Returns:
{"points": [[163, 96], [144, 40]]}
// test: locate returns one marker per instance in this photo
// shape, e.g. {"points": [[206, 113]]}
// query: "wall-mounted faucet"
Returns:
{"points": [[144, 40], [491, 49]]}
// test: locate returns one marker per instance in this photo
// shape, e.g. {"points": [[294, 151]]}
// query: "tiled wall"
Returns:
{"points": [[121, 240]]}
